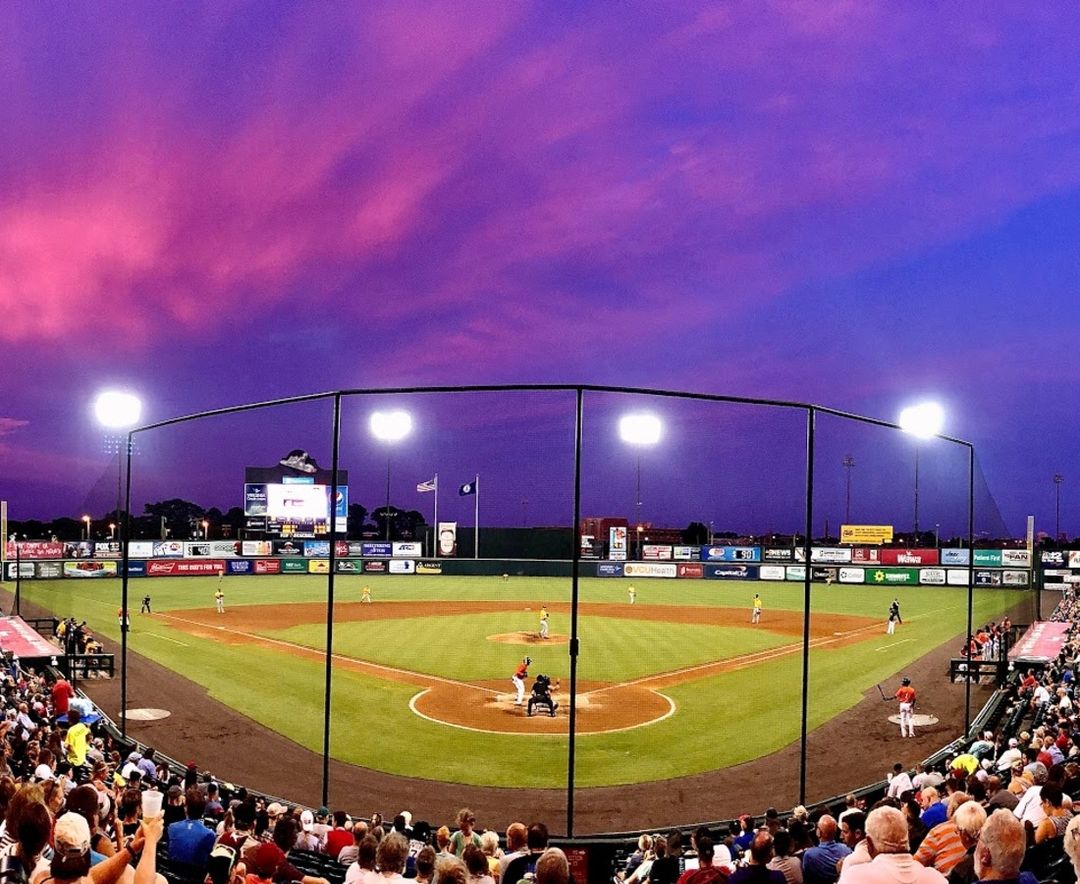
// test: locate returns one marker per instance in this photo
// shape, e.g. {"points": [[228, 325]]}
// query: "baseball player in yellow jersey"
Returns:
{"points": [[755, 616], [544, 617], [365, 595]]}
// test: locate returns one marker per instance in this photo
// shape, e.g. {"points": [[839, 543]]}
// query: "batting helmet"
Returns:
{"points": [[527, 661], [905, 680]]}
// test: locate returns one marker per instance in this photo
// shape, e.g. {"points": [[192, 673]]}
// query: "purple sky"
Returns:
{"points": [[856, 204]]}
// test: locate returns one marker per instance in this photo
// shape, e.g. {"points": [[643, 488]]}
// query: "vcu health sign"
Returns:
{"points": [[873, 534]]}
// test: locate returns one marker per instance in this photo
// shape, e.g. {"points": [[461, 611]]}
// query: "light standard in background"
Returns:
{"points": [[639, 430], [205, 530], [923, 421], [86, 519], [1058, 479], [389, 427], [116, 410], [112, 529], [848, 462]]}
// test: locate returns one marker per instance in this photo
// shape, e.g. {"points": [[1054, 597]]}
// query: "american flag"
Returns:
{"points": [[433, 485]]}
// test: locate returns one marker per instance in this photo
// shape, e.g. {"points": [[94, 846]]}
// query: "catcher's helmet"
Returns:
{"points": [[527, 661], [905, 680]]}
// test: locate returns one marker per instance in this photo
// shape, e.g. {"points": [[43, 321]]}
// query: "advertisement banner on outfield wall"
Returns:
{"points": [[693, 570], [25, 570], [852, 575], [402, 566], [731, 554], [429, 567], [36, 549], [987, 578], [795, 572], [447, 539], [90, 569], [829, 554], [892, 576], [730, 572], [377, 550], [771, 572], [197, 550], [318, 566], [317, 549], [266, 566], [407, 550], [109, 549], [288, 547], [1016, 558], [49, 570], [866, 554], [1074, 558], [240, 566], [374, 567], [909, 557], [225, 549], [83, 549], [956, 577], [655, 551], [609, 569], [348, 566], [294, 566], [869, 534], [136, 568], [954, 557], [1057, 572], [257, 548], [141, 549], [1014, 578], [932, 576], [779, 554], [168, 549], [649, 569], [617, 543], [826, 574], [685, 553], [183, 568], [1052, 557], [990, 557], [341, 548]]}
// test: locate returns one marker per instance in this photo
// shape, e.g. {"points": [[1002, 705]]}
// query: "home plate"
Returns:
{"points": [[918, 719], [147, 714]]}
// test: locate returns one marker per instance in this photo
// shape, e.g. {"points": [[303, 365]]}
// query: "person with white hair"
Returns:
{"points": [[1072, 844], [1000, 850], [553, 867], [943, 848], [892, 863]]}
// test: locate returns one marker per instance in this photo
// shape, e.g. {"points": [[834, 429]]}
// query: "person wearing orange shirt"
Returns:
{"points": [[518, 678], [906, 695]]}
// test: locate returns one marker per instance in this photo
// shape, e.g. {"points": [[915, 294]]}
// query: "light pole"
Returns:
{"points": [[923, 421], [1058, 479], [937, 536], [639, 430], [116, 410], [389, 427], [86, 519], [112, 529], [848, 462], [205, 530]]}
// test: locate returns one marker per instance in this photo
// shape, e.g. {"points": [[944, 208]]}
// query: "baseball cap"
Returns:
{"points": [[274, 808], [307, 820], [266, 860], [71, 835], [323, 811]]}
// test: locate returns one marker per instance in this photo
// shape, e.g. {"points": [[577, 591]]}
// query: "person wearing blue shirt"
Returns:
{"points": [[190, 842], [819, 863], [934, 810]]}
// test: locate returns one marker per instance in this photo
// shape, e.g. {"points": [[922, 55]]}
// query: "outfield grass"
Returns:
{"points": [[372, 723]]}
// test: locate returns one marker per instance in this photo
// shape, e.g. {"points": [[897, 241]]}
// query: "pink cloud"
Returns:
{"points": [[9, 425]]}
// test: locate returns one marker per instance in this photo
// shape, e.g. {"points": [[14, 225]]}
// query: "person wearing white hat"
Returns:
{"points": [[307, 839]]}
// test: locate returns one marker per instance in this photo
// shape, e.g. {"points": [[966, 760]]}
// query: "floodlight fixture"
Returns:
{"points": [[640, 429], [390, 426], [117, 410], [923, 421]]}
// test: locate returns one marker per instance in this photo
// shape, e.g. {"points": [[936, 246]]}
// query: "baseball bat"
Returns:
{"points": [[880, 691]]}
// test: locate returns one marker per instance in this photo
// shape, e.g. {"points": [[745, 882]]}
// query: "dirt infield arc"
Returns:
{"points": [[488, 706]]}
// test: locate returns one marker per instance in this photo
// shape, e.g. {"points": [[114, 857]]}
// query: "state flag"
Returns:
{"points": [[467, 489]]}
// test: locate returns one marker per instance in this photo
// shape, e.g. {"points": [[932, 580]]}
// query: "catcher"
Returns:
{"points": [[541, 696]]}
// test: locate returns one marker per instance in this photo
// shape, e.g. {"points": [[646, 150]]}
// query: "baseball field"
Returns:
{"points": [[666, 685]]}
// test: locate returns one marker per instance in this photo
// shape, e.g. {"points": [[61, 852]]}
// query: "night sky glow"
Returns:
{"points": [[858, 204]]}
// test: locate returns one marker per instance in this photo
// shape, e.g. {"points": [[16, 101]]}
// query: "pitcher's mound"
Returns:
{"points": [[528, 638]]}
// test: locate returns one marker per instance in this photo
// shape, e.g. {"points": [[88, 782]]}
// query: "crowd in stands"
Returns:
{"points": [[75, 808]]}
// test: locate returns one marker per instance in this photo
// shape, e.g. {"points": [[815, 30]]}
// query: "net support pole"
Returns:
{"points": [[970, 583], [575, 569], [807, 575], [332, 499], [125, 558]]}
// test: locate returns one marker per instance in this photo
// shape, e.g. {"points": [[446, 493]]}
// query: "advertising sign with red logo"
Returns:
{"points": [[908, 556], [267, 566], [690, 569], [865, 554], [655, 551], [341, 548], [37, 549], [184, 567]]}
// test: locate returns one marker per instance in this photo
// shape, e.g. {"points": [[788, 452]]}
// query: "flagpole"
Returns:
{"points": [[435, 528], [476, 519]]}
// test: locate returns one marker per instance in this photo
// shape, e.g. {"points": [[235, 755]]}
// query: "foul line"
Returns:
{"points": [[167, 639], [894, 644]]}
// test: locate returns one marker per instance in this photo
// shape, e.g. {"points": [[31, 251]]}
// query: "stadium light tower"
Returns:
{"points": [[848, 462], [639, 430], [923, 421], [389, 427], [117, 410], [1058, 479], [86, 519]]}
